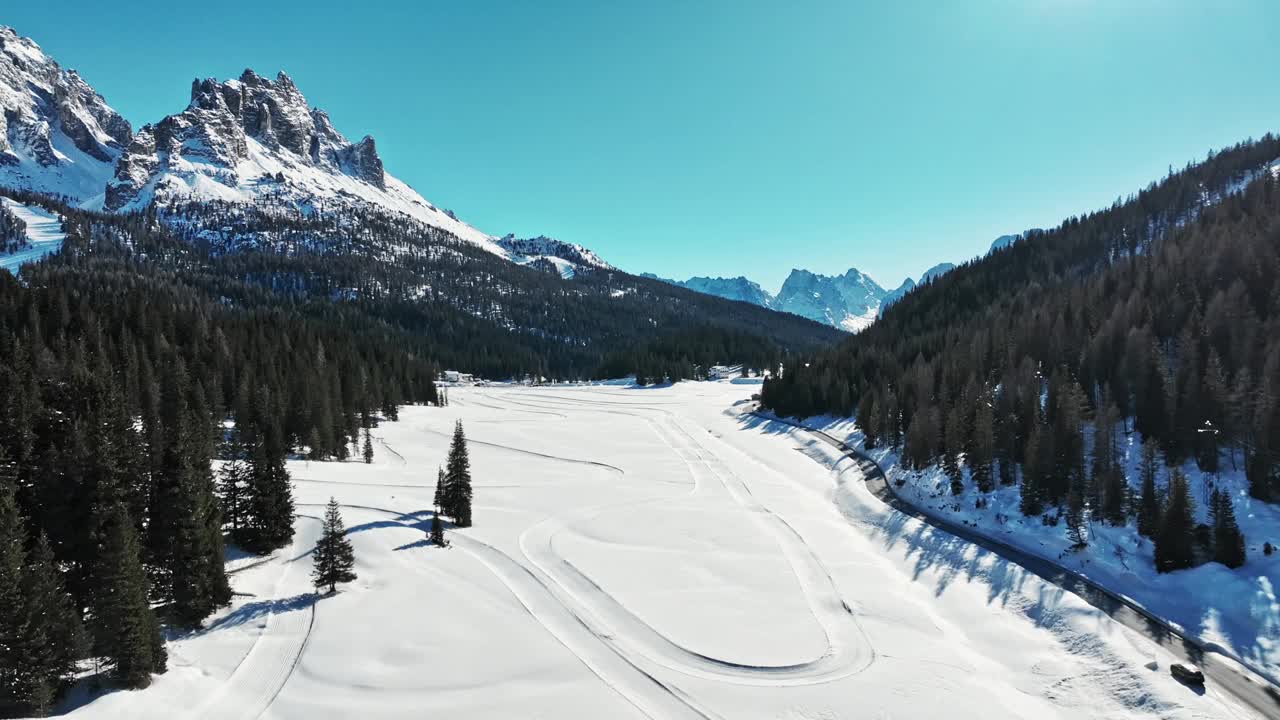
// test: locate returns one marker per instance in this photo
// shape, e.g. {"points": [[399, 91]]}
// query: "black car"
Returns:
{"points": [[1189, 674]]}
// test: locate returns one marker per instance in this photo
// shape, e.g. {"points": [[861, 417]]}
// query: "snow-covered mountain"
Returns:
{"points": [[1004, 241], [562, 257], [936, 271], [735, 288], [57, 134], [254, 139], [850, 301]]}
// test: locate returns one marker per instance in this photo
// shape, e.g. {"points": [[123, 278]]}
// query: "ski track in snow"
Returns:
{"points": [[534, 453], [848, 649], [574, 631], [262, 672], [619, 640]]}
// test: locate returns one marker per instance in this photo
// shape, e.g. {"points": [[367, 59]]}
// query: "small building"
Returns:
{"points": [[721, 372], [453, 376]]}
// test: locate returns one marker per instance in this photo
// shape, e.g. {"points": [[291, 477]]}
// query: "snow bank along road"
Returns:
{"points": [[1245, 685], [647, 553]]}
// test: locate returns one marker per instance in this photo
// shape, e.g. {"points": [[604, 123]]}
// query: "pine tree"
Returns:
{"points": [[186, 528], [456, 498], [54, 637], [125, 632], [368, 447], [437, 530], [13, 601], [984, 441], [1175, 541], [269, 511], [1077, 517], [954, 440], [441, 481], [1228, 542], [334, 557], [232, 477], [1036, 470], [1149, 510]]}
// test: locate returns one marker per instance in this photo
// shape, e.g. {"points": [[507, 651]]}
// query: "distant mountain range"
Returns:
{"points": [[256, 140], [849, 302]]}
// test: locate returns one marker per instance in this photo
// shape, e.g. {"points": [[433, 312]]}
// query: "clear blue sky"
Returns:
{"points": [[734, 137]]}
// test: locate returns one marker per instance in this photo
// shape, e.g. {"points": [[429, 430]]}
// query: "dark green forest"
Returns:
{"points": [[1160, 314]]}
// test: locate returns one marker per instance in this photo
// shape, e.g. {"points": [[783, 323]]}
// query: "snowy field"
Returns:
{"points": [[644, 553], [44, 234]]}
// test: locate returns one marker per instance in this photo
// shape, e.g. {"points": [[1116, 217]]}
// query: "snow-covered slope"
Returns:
{"points": [[1237, 610], [562, 257], [44, 234], [256, 140], [643, 554], [57, 135]]}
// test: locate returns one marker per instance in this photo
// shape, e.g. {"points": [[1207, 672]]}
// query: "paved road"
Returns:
{"points": [[1248, 687]]}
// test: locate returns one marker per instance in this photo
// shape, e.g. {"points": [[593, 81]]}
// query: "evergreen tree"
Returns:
{"points": [[1149, 509], [437, 530], [233, 476], [13, 602], [269, 503], [1228, 542], [1077, 517], [1037, 468], [954, 440], [368, 447], [1175, 540], [125, 632], [981, 459], [456, 497], [54, 640], [441, 481], [186, 527], [334, 557]]}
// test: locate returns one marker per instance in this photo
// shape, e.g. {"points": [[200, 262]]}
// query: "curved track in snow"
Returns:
{"points": [[848, 649], [532, 453], [261, 674]]}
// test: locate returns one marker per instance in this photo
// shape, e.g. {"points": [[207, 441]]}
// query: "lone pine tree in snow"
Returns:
{"points": [[437, 530], [440, 483], [368, 446], [455, 499], [334, 557]]}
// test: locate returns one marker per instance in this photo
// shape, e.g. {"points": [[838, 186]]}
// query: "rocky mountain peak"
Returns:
{"points": [[57, 134], [233, 133]]}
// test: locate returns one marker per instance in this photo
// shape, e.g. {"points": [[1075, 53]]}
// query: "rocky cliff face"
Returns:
{"points": [[57, 135], [850, 301], [232, 133], [254, 139], [550, 254]]}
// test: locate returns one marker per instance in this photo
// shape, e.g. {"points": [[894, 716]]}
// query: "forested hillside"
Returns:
{"points": [[480, 312], [116, 376], [1160, 314]]}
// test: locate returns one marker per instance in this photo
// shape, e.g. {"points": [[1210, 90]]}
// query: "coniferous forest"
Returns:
{"points": [[153, 345], [1159, 315]]}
